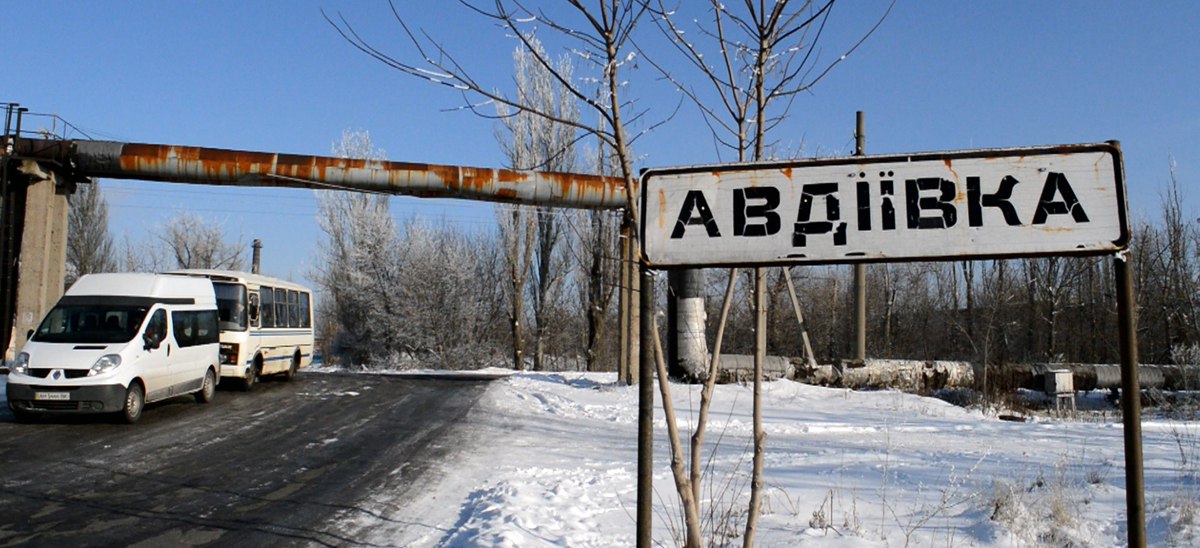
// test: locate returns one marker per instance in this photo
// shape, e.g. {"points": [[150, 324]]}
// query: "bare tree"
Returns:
{"points": [[1176, 272], [518, 233], [533, 235], [598, 266], [89, 245], [185, 241], [600, 36], [753, 60], [192, 242], [145, 256]]}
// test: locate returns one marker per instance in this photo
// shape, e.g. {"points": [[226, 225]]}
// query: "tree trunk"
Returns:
{"points": [[760, 437], [706, 393], [517, 334], [682, 485], [624, 303]]}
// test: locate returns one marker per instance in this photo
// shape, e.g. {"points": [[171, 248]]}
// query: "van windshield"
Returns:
{"points": [[231, 306], [96, 321]]}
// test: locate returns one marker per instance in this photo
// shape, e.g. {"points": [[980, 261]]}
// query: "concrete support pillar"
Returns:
{"points": [[687, 344], [43, 253]]}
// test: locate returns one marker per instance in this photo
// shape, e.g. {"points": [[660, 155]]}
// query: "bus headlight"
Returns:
{"points": [[21, 366], [105, 364]]}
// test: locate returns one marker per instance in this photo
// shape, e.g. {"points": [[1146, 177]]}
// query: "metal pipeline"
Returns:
{"points": [[211, 166]]}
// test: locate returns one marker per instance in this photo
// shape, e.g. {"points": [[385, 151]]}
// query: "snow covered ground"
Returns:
{"points": [[552, 462]]}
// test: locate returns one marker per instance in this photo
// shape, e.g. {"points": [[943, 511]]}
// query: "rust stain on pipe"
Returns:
{"points": [[185, 164]]}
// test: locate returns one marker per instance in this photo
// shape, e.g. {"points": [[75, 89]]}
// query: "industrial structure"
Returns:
{"points": [[39, 172]]}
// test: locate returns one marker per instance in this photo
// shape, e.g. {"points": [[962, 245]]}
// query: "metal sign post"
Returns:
{"points": [[860, 270], [1131, 403]]}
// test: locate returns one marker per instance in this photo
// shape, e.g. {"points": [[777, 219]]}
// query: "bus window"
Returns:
{"points": [[293, 308], [305, 317], [267, 312], [231, 305], [281, 313], [255, 309]]}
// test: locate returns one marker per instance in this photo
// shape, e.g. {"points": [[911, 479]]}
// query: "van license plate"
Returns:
{"points": [[52, 396]]}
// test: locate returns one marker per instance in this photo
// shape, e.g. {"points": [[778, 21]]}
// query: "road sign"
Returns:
{"points": [[929, 206]]}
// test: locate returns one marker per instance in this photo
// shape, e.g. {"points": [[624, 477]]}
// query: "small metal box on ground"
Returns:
{"points": [[1060, 383]]}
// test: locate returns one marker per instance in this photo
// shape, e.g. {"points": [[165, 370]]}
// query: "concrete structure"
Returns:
{"points": [[43, 250], [39, 242]]}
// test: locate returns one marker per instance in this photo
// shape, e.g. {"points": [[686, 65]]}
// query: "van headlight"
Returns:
{"points": [[105, 364], [21, 366]]}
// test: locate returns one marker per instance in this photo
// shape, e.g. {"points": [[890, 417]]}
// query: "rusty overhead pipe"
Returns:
{"points": [[213, 166]]}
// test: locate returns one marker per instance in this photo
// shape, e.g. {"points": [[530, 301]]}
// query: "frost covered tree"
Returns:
{"points": [[448, 295], [599, 38], [89, 244], [752, 60], [532, 236], [401, 295], [356, 262], [595, 252]]}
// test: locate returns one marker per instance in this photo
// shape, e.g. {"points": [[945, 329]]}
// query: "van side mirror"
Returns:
{"points": [[29, 334], [253, 311]]}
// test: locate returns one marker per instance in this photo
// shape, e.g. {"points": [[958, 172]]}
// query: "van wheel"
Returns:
{"points": [[135, 401], [291, 372], [251, 377], [208, 389]]}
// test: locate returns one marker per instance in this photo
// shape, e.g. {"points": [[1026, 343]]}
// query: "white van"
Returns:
{"points": [[117, 341]]}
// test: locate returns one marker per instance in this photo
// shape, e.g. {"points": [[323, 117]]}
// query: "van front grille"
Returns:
{"points": [[43, 372], [56, 405]]}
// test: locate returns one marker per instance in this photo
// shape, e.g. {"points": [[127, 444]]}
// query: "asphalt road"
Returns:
{"points": [[280, 466]]}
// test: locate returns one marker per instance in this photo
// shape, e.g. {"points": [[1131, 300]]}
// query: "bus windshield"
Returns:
{"points": [[96, 321], [231, 306]]}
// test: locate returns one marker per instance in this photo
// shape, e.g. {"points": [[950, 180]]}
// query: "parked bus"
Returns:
{"points": [[266, 325]]}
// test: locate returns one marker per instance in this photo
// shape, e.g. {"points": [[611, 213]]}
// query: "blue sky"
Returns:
{"points": [[274, 76]]}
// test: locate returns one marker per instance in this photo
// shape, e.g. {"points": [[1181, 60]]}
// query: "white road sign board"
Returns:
{"points": [[929, 206]]}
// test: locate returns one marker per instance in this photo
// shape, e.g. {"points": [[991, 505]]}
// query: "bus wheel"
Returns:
{"points": [[291, 372], [208, 389], [135, 400], [251, 377]]}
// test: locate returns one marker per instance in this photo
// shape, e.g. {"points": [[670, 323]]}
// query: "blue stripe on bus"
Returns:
{"points": [[302, 356]]}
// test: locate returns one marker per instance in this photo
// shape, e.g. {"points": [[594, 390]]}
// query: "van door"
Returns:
{"points": [[196, 336], [153, 363]]}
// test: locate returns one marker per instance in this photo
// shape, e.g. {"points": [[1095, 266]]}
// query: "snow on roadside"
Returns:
{"points": [[549, 459]]}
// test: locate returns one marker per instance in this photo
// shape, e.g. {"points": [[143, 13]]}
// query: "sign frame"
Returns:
{"points": [[655, 179]]}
